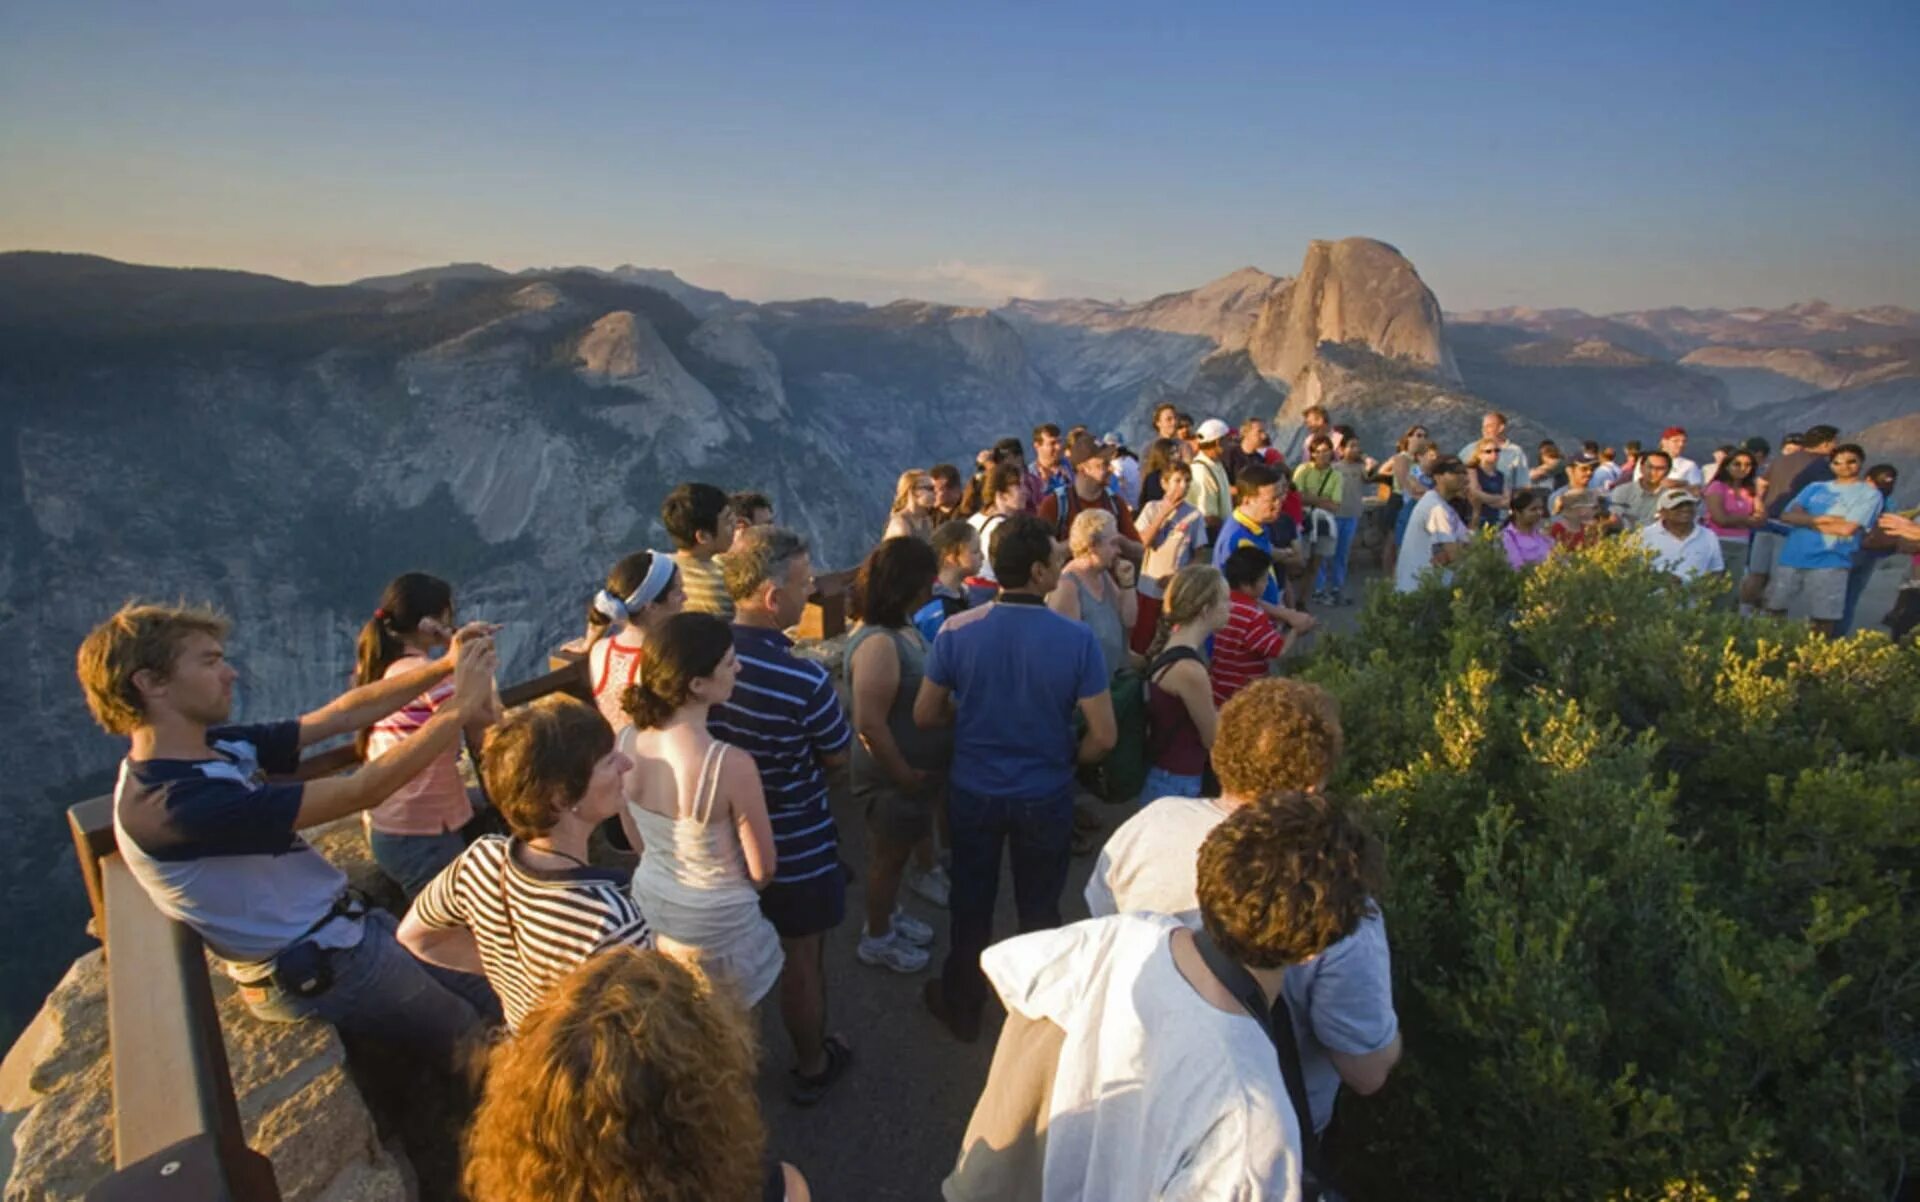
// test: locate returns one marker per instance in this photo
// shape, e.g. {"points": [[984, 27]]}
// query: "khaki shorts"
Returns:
{"points": [[1765, 549], [896, 817], [1823, 590]]}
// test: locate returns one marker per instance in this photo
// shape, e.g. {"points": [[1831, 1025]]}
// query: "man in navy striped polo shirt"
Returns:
{"points": [[785, 713]]}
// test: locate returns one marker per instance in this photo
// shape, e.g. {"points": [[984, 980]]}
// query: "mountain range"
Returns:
{"points": [[282, 449]]}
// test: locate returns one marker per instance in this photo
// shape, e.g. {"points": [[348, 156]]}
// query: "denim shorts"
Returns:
{"points": [[1161, 783]]}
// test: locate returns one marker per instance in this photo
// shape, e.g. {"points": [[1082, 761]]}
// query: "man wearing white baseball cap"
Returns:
{"points": [[1211, 493], [1680, 544]]}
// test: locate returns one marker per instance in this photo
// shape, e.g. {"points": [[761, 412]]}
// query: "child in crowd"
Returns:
{"points": [[957, 545], [1171, 530], [1250, 645], [699, 520]]}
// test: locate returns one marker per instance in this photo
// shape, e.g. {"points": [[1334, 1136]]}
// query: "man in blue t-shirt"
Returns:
{"points": [[216, 845], [1010, 677], [1826, 521]]}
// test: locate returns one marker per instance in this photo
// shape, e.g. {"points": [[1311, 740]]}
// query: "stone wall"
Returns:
{"points": [[299, 1106]]}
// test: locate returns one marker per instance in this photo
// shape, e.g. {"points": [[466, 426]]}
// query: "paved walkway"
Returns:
{"points": [[891, 1128]]}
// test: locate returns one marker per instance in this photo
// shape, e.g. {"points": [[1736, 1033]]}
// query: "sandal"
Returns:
{"points": [[808, 1089]]}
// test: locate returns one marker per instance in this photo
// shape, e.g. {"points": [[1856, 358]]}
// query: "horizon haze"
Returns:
{"points": [[1643, 156]]}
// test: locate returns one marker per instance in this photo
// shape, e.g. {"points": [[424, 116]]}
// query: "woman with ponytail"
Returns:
{"points": [[696, 805], [416, 832], [642, 591], [1180, 712]]}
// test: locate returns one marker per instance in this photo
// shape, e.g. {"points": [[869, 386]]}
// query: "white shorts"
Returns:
{"points": [[1764, 551], [1824, 590]]}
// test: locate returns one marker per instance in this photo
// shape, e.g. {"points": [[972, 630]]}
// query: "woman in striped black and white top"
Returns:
{"points": [[529, 909]]}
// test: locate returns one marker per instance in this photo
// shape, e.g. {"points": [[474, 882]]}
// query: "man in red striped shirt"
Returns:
{"points": [[1246, 650]]}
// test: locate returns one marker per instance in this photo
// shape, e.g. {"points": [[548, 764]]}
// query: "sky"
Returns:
{"points": [[1604, 156]]}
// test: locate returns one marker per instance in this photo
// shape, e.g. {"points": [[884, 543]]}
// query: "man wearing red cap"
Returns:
{"points": [[1673, 440]]}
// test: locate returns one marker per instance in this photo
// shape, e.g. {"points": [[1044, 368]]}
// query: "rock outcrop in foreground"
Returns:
{"points": [[300, 1107]]}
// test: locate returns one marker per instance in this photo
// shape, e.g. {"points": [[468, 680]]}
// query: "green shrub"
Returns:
{"points": [[1652, 890]]}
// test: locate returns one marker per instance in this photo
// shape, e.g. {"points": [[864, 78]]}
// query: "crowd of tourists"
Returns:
{"points": [[1067, 620]]}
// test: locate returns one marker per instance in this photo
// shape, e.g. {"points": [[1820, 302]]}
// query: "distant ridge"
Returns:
{"points": [[701, 302]]}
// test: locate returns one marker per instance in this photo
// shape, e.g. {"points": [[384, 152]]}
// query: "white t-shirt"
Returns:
{"points": [[1433, 523], [1172, 548], [1149, 860], [1686, 471], [1340, 1001], [1686, 558], [1159, 1094], [979, 522]]}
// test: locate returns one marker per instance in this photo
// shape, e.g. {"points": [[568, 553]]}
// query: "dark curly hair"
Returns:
{"points": [[1277, 733], [1284, 878]]}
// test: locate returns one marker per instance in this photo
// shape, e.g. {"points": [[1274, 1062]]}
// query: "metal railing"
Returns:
{"points": [[176, 1123]]}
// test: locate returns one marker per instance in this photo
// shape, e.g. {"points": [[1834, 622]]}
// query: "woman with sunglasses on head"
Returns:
{"points": [[913, 501], [417, 831], [641, 593]]}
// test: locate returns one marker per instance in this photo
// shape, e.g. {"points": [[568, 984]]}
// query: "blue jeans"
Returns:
{"points": [[1040, 831], [1333, 572], [379, 989], [1161, 783], [412, 861]]}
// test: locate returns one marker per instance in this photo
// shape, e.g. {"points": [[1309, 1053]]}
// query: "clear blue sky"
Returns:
{"points": [[1600, 155]]}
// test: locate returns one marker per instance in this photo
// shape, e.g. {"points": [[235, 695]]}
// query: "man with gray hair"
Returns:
{"points": [[785, 714]]}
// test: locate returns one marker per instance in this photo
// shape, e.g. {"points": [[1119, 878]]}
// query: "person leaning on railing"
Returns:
{"points": [[216, 846]]}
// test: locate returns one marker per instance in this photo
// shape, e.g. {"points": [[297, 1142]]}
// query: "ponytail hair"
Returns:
{"points": [[686, 648], [408, 600], [627, 591], [1193, 591]]}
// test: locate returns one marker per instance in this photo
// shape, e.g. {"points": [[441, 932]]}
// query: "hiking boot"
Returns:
{"points": [[892, 952]]}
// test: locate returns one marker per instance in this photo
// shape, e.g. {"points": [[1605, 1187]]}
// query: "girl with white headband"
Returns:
{"points": [[642, 591]]}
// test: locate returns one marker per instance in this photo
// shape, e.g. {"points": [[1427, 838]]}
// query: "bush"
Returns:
{"points": [[1652, 893]]}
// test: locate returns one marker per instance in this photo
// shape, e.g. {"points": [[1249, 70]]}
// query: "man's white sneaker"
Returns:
{"points": [[933, 885], [911, 929], [892, 952]]}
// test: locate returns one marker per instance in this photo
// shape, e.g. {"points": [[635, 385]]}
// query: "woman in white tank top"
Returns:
{"points": [[695, 804], [642, 591]]}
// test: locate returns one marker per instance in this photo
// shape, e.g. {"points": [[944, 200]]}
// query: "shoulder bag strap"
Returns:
{"points": [[1171, 656], [1278, 1024]]}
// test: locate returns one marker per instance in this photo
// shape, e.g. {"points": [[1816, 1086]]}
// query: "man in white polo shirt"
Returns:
{"points": [[1680, 544]]}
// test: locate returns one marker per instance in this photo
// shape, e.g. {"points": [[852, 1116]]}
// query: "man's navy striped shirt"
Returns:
{"points": [[786, 715]]}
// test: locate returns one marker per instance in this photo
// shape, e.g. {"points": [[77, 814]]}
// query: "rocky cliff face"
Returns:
{"points": [[515, 435], [1355, 290]]}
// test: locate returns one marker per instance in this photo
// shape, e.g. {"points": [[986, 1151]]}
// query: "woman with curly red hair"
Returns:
{"points": [[632, 1082]]}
